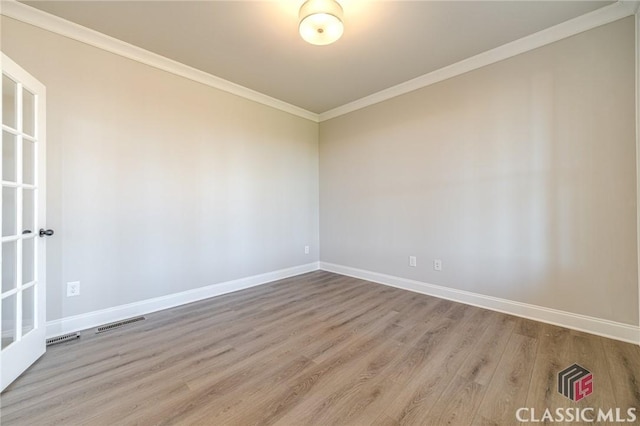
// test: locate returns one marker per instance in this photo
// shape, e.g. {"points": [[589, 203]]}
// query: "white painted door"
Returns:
{"points": [[22, 311]]}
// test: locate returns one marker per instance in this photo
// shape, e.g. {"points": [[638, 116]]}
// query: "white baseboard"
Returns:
{"points": [[92, 319], [600, 327]]}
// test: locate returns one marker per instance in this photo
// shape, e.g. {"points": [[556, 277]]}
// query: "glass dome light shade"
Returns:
{"points": [[321, 21]]}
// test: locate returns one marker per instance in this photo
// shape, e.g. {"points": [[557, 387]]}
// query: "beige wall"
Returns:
{"points": [[520, 176], [158, 184]]}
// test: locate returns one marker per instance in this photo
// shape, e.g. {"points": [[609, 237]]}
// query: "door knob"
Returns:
{"points": [[47, 232]]}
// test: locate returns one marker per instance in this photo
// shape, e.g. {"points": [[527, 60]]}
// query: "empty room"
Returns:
{"points": [[320, 212]]}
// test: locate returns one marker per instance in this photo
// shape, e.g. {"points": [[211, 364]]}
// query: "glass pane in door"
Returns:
{"points": [[9, 157], [28, 311], [9, 266], [9, 208], [28, 260], [28, 162], [28, 210], [9, 102], [9, 316], [28, 113]]}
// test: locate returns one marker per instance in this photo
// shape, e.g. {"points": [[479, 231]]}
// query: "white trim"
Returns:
{"points": [[550, 35], [55, 24], [600, 327], [637, 41], [92, 319]]}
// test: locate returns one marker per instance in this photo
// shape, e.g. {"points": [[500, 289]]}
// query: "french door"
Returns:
{"points": [[22, 308]]}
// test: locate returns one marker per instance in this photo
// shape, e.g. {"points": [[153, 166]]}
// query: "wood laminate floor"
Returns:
{"points": [[319, 349]]}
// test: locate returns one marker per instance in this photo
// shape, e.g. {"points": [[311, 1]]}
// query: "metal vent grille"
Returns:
{"points": [[62, 339], [108, 327]]}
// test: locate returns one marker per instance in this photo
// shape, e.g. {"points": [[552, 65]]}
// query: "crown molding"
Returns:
{"points": [[602, 16], [55, 24]]}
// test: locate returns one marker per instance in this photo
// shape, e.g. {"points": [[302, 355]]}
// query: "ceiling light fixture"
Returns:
{"points": [[321, 21]]}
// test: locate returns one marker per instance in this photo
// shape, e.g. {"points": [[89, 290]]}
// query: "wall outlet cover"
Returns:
{"points": [[437, 264], [73, 288]]}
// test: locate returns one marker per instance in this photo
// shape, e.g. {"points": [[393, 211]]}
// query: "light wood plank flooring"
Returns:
{"points": [[318, 349]]}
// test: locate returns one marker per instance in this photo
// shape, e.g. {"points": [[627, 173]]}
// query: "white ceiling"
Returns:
{"points": [[256, 43]]}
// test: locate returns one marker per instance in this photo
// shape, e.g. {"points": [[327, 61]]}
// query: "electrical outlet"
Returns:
{"points": [[412, 261], [73, 288], [306, 249], [437, 264]]}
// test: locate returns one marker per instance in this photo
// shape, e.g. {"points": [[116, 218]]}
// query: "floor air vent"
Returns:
{"points": [[61, 339], [113, 325]]}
